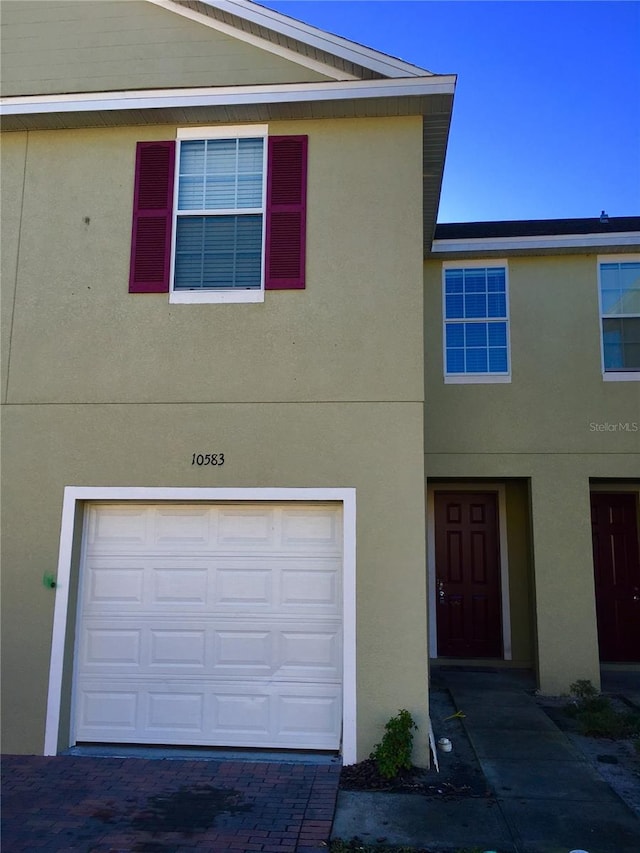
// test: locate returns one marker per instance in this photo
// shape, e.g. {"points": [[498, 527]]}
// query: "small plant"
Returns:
{"points": [[586, 699], [393, 753], [597, 717]]}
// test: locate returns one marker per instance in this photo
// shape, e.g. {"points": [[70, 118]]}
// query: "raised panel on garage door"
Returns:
{"points": [[211, 624]]}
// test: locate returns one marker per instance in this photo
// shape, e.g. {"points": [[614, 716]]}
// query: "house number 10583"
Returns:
{"points": [[207, 459]]}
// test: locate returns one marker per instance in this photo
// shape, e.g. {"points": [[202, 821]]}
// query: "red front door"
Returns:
{"points": [[616, 562], [467, 575]]}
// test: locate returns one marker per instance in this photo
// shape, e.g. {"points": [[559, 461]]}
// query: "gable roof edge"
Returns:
{"points": [[348, 51], [255, 41]]}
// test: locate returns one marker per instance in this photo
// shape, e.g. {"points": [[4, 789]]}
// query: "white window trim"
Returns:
{"points": [[457, 486], [232, 295], [613, 375], [475, 378], [75, 496]]}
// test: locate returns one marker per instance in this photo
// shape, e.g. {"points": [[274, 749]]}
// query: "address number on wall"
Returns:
{"points": [[207, 459]]}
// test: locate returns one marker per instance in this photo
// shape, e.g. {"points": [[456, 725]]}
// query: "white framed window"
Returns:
{"points": [[475, 310], [619, 300], [218, 244]]}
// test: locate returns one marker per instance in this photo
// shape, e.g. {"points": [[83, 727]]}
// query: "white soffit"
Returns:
{"points": [[269, 20]]}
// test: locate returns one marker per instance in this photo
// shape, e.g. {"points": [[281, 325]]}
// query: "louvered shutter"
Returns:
{"points": [[152, 216], [286, 212]]}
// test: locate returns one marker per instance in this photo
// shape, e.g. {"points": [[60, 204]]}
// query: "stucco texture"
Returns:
{"points": [[542, 428], [355, 333], [314, 388], [56, 48], [371, 447]]}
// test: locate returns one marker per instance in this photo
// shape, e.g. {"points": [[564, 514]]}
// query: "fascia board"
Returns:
{"points": [[228, 96], [559, 241], [261, 43], [350, 51]]}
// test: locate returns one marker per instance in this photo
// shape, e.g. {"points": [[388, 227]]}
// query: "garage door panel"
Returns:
{"points": [[117, 528], [113, 710], [243, 651], [310, 588], [211, 624], [315, 655], [213, 649], [180, 528], [244, 586], [289, 716], [246, 528], [108, 647], [258, 715], [321, 531], [182, 583], [168, 712], [147, 583], [310, 713], [114, 584], [177, 648]]}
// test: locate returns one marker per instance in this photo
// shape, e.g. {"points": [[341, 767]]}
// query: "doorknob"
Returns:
{"points": [[441, 593], [636, 594]]}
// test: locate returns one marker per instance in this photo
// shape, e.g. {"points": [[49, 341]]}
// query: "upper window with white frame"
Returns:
{"points": [[619, 290], [219, 214], [476, 322], [220, 203]]}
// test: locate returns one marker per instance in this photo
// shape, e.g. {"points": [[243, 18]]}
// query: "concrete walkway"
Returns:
{"points": [[547, 798]]}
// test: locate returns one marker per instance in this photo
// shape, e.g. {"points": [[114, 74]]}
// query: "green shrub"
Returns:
{"points": [[596, 716], [586, 698], [393, 753], [609, 723]]}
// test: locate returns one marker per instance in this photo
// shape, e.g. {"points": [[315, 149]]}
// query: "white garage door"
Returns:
{"points": [[211, 624]]}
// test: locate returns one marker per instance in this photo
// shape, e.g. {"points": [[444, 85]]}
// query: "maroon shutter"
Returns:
{"points": [[152, 215], [286, 212]]}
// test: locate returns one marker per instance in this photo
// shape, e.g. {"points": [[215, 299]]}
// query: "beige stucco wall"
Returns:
{"points": [[12, 162], [333, 341], [59, 47], [520, 572], [542, 426], [314, 388]]}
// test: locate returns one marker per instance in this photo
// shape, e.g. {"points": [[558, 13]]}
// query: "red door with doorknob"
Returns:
{"points": [[616, 563], [468, 611]]}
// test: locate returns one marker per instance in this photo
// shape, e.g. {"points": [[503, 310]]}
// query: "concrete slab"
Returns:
{"points": [[503, 717], [538, 745], [492, 679], [465, 698], [554, 826], [569, 780], [407, 819], [620, 681]]}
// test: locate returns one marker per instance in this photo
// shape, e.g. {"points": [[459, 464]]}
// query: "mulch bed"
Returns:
{"points": [[458, 782]]}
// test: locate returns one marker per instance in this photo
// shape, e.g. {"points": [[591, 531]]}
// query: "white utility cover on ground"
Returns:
{"points": [[211, 624]]}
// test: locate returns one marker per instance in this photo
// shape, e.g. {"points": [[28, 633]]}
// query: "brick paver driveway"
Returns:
{"points": [[137, 805]]}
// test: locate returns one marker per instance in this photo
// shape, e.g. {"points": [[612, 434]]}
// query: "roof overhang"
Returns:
{"points": [[429, 97], [559, 244], [101, 109]]}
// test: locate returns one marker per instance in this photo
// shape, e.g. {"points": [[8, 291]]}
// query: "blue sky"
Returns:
{"points": [[546, 119]]}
